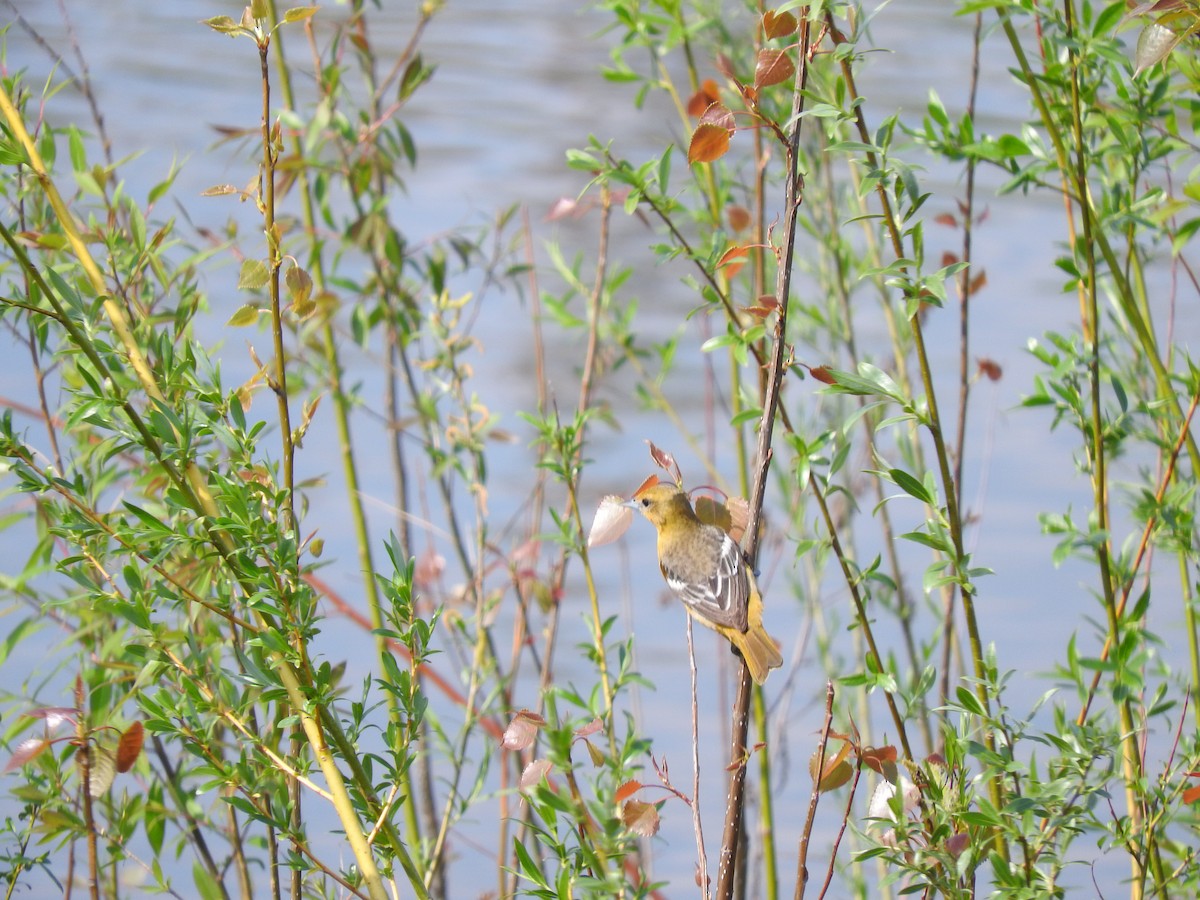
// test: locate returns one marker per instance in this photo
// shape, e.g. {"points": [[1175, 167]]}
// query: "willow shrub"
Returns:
{"points": [[178, 700]]}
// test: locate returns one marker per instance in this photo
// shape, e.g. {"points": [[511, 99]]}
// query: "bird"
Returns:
{"points": [[704, 568]]}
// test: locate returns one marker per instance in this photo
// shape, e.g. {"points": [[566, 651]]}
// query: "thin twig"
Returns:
{"points": [[814, 797], [701, 856]]}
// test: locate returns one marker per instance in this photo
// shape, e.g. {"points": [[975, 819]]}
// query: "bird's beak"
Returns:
{"points": [[632, 504]]}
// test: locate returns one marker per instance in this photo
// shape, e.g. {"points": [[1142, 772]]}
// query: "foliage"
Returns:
{"points": [[191, 693]]}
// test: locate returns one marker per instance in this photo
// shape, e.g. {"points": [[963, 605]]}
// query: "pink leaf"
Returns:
{"points": [[590, 728], [611, 521], [535, 772], [26, 751], [522, 730]]}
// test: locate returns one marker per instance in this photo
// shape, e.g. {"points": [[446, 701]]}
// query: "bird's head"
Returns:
{"points": [[661, 502]]}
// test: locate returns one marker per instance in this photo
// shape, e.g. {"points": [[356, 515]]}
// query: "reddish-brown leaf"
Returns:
{"points": [[978, 283], [766, 305], [640, 818], [627, 790], [709, 143], [990, 369], [718, 115], [734, 256], [1191, 795], [957, 843], [948, 258], [738, 217], [881, 759], [778, 24], [773, 66], [665, 461], [946, 219], [821, 373], [725, 66], [129, 747], [706, 95]]}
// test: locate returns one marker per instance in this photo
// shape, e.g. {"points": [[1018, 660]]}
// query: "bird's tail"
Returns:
{"points": [[758, 648]]}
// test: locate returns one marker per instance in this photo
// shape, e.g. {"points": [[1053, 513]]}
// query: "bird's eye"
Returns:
{"points": [[645, 501]]}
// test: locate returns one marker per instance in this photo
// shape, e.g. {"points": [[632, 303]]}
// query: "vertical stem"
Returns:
{"points": [[84, 755], [278, 378], [728, 864]]}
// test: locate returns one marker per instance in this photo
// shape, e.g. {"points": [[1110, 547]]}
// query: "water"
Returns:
{"points": [[516, 87]]}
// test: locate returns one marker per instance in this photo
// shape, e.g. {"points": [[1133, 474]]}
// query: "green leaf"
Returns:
{"points": [[910, 485], [529, 868], [78, 154], [1154, 44], [299, 284], [254, 275], [245, 315], [224, 25], [300, 13], [207, 887], [968, 701]]}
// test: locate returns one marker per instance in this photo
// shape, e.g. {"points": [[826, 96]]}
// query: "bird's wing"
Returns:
{"points": [[721, 599]]}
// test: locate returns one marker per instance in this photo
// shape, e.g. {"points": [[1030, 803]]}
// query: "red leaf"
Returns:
{"points": [[129, 747], [706, 95], [627, 790], [733, 258], [1191, 795], [709, 143], [766, 304], [880, 759], [773, 67], [946, 219], [821, 373]]}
